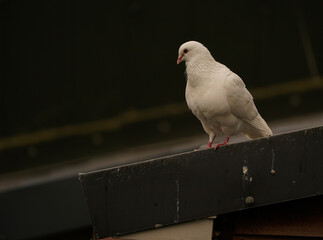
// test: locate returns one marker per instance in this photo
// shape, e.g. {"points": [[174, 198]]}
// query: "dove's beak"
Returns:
{"points": [[179, 59]]}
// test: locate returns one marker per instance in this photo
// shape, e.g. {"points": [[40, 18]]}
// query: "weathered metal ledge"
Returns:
{"points": [[205, 183]]}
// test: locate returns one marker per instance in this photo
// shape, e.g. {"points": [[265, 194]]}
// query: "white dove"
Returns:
{"points": [[218, 97]]}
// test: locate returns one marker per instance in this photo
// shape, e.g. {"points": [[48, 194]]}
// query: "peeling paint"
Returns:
{"points": [[245, 175], [272, 170], [244, 170], [158, 225]]}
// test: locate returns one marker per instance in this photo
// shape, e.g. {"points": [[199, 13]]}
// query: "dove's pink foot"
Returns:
{"points": [[222, 144], [209, 144]]}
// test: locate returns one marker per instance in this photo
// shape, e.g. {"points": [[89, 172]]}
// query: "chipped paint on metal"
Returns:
{"points": [[272, 170]]}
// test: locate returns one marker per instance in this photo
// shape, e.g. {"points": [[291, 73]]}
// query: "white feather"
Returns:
{"points": [[218, 97]]}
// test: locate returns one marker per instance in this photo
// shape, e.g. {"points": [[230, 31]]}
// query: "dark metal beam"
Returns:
{"points": [[199, 184]]}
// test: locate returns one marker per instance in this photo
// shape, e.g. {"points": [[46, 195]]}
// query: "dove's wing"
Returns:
{"points": [[239, 98], [242, 106]]}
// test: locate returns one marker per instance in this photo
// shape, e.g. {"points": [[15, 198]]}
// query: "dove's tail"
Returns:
{"points": [[257, 128]]}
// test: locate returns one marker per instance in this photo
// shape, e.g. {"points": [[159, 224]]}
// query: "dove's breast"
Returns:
{"points": [[209, 103], [209, 99]]}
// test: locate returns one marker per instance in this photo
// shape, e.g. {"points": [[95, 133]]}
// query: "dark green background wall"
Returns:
{"points": [[69, 62], [73, 61]]}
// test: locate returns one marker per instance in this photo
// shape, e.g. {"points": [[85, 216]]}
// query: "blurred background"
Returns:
{"points": [[89, 84]]}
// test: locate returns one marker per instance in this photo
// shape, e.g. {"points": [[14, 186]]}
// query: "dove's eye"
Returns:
{"points": [[185, 50]]}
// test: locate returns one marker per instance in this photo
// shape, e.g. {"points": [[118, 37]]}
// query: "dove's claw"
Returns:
{"points": [[226, 141], [219, 145]]}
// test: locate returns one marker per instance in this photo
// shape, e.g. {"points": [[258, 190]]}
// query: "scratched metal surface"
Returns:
{"points": [[199, 184]]}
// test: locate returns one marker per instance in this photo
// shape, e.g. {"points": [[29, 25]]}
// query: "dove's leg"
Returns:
{"points": [[224, 143], [211, 139]]}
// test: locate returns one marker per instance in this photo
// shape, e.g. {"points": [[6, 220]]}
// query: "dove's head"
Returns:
{"points": [[190, 50]]}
